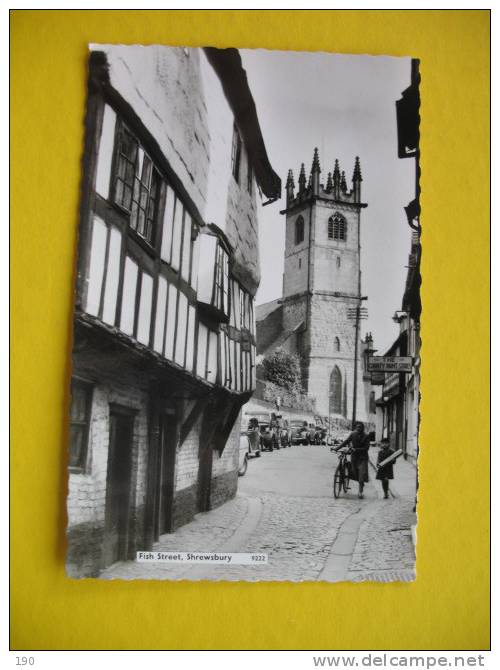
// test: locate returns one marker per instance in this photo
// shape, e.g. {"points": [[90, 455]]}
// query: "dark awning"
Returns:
{"points": [[228, 67]]}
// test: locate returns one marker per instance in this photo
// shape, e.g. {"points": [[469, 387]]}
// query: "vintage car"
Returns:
{"points": [[336, 439], [299, 432], [280, 431], [311, 434], [268, 440], [319, 435], [284, 433]]}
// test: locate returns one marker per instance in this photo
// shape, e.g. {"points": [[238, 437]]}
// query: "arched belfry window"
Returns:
{"points": [[337, 227], [337, 344], [330, 228], [299, 230], [336, 391]]}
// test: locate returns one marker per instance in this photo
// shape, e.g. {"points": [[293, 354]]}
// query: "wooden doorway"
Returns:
{"points": [[164, 475], [118, 483]]}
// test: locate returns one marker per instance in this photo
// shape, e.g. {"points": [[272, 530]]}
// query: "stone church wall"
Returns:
{"points": [[329, 321]]}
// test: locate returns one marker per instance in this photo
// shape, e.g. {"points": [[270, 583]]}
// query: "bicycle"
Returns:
{"points": [[341, 476]]}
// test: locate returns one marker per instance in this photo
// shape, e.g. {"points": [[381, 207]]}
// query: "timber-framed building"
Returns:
{"points": [[164, 330]]}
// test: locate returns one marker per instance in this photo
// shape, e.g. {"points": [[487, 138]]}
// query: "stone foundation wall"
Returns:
{"points": [[185, 506], [228, 460], [225, 468], [187, 459], [224, 487]]}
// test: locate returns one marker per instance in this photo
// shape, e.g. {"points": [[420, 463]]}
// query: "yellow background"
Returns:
{"points": [[448, 606]]}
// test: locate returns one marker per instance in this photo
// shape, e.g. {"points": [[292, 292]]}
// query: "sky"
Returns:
{"points": [[345, 106]]}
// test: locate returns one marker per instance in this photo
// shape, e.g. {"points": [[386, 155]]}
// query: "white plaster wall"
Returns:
{"points": [[179, 98]]}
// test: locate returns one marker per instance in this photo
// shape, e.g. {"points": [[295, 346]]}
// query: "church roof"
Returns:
{"points": [[263, 311]]}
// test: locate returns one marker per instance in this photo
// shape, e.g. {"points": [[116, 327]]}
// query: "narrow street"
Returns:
{"points": [[285, 508]]}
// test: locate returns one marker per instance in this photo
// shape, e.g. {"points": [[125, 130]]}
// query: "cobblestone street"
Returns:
{"points": [[285, 508]]}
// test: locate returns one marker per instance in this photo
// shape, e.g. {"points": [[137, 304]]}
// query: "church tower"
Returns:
{"points": [[322, 284]]}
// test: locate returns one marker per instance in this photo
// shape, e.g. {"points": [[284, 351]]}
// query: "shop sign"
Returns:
{"points": [[391, 386], [390, 364], [377, 378]]}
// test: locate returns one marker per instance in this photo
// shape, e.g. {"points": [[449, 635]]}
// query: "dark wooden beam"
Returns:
{"points": [[188, 422], [225, 427]]}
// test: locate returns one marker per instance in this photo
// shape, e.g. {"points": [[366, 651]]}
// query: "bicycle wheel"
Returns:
{"points": [[338, 480], [345, 478]]}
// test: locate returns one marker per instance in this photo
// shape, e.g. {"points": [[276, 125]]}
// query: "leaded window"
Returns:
{"points": [[221, 290], [137, 184], [81, 403], [330, 228], [213, 276], [145, 199], [336, 391], [337, 227], [126, 156]]}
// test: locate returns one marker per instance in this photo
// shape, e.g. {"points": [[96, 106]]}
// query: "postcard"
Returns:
{"points": [[246, 343]]}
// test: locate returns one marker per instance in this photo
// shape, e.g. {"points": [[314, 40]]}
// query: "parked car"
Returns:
{"points": [[320, 435], [311, 434], [280, 431], [284, 433], [332, 439], [336, 440], [298, 432], [267, 438]]}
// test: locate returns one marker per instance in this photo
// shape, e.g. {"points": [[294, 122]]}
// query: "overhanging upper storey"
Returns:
{"points": [[228, 67]]}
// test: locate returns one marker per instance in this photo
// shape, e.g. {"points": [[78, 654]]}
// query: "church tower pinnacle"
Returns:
{"points": [[357, 179], [290, 187], [315, 172], [302, 179]]}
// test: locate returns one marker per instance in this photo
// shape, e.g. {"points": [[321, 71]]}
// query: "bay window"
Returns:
{"points": [[158, 277], [213, 277]]}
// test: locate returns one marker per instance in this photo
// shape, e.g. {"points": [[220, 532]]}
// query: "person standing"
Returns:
{"points": [[360, 444], [385, 472]]}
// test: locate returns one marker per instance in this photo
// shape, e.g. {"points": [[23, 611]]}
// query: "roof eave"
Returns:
{"points": [[228, 67]]}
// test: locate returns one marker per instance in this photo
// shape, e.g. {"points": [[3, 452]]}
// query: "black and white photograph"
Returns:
{"points": [[246, 335]]}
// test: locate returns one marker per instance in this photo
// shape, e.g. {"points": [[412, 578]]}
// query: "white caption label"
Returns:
{"points": [[212, 557]]}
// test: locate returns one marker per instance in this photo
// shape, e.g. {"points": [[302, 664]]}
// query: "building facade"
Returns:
{"points": [[319, 315], [400, 393], [164, 333]]}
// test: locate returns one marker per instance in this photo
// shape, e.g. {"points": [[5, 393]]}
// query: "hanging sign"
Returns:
{"points": [[390, 363]]}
